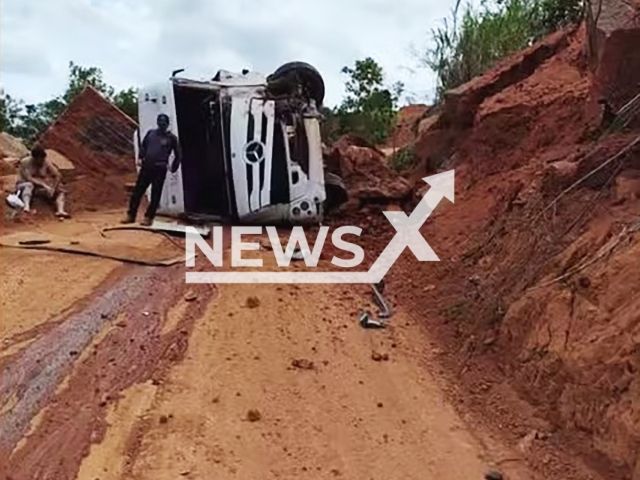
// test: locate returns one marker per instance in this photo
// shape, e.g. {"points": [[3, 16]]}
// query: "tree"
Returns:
{"points": [[10, 109], [127, 101], [369, 109], [30, 121], [80, 77]]}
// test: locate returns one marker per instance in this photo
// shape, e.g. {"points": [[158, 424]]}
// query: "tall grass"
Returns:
{"points": [[469, 44]]}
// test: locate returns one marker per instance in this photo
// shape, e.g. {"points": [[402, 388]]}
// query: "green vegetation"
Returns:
{"points": [[30, 121], [369, 108], [468, 45], [403, 159]]}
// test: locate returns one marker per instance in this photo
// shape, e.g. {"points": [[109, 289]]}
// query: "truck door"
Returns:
{"points": [[153, 101]]}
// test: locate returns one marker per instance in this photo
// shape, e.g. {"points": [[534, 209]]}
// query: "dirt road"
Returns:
{"points": [[119, 372]]}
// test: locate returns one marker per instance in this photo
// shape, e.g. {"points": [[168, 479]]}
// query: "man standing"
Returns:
{"points": [[38, 176], [153, 161]]}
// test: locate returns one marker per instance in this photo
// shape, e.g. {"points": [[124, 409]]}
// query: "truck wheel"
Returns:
{"points": [[292, 75], [336, 192]]}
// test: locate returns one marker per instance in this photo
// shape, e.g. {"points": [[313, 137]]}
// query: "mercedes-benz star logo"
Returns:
{"points": [[254, 151]]}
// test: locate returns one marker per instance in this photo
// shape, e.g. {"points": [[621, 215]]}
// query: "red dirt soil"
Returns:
{"points": [[539, 314], [406, 125], [98, 138]]}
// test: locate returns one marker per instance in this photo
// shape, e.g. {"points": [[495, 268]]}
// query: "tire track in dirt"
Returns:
{"points": [[324, 404], [136, 350]]}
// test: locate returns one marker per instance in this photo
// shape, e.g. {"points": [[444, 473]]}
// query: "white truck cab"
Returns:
{"points": [[251, 146]]}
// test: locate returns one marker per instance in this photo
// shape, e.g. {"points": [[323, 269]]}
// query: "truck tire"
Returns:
{"points": [[290, 76], [336, 191]]}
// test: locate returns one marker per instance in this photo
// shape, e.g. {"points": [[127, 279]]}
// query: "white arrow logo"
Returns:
{"points": [[407, 235]]}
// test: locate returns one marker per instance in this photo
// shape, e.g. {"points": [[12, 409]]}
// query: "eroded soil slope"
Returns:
{"points": [[538, 290]]}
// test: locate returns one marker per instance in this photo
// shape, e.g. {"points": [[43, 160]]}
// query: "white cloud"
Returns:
{"points": [[142, 41]]}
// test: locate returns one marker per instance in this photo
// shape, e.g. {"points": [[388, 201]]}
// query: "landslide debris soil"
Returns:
{"points": [[142, 376], [536, 299], [518, 352]]}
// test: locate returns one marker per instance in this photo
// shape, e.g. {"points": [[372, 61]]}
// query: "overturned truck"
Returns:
{"points": [[251, 146]]}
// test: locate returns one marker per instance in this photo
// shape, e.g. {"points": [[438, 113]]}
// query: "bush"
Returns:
{"points": [[403, 159]]}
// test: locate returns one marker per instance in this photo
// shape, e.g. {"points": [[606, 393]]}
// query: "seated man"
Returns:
{"points": [[33, 179]]}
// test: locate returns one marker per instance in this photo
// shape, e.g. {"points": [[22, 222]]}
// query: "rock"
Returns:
{"points": [[8, 166], [526, 442], [355, 160], [565, 168], [395, 189], [388, 151], [493, 476], [253, 302], [190, 296], [9, 183], [93, 135], [613, 48], [62, 163], [406, 125], [393, 207], [490, 341], [584, 282], [558, 176], [303, 364], [427, 124], [462, 102], [11, 146], [627, 185], [366, 174], [379, 357], [254, 415]]}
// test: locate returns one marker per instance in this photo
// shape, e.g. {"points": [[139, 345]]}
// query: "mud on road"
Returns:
{"points": [[138, 375]]}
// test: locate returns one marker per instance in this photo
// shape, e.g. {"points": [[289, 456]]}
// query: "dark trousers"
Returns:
{"points": [[149, 175]]}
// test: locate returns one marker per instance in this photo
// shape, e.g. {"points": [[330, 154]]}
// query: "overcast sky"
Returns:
{"points": [[136, 42]]}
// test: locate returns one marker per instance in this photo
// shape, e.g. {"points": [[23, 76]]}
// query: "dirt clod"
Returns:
{"points": [[190, 296], [584, 282], [302, 363], [254, 415], [494, 476], [379, 357], [253, 302]]}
